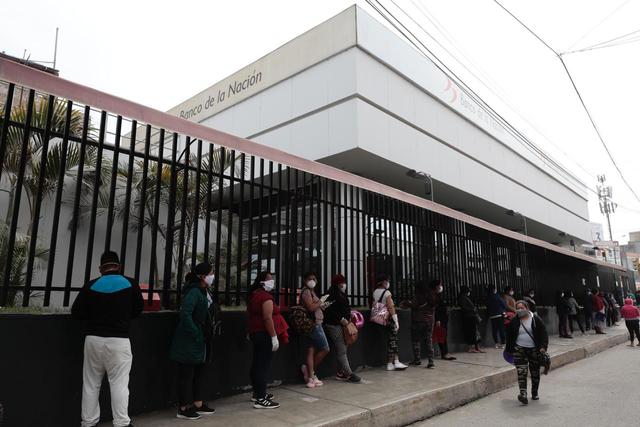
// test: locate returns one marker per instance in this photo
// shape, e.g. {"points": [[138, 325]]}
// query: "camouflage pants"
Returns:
{"points": [[527, 358]]}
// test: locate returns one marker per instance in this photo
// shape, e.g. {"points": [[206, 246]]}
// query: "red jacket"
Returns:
{"points": [[629, 311], [598, 304]]}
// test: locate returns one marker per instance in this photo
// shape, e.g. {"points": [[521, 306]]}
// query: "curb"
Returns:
{"points": [[428, 404]]}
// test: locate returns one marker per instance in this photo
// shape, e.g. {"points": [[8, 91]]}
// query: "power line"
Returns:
{"points": [[624, 3], [608, 43], [584, 106]]}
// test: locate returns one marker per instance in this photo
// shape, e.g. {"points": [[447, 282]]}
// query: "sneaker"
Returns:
{"points": [[430, 365], [448, 357], [399, 365], [311, 383], [317, 382], [535, 397], [415, 362], [188, 414], [266, 404], [204, 410], [353, 378], [391, 367], [342, 377], [305, 373], [269, 396], [523, 399]]}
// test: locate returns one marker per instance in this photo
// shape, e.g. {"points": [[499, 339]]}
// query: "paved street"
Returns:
{"points": [[598, 391]]}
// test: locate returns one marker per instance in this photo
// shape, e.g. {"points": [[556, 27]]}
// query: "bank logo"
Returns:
{"points": [[451, 86]]}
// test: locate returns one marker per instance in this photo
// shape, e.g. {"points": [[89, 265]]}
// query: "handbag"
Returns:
{"points": [[357, 319], [543, 358], [380, 312], [301, 321], [350, 333]]}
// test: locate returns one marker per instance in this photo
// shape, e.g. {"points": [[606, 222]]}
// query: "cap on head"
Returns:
{"points": [[338, 279], [109, 258]]}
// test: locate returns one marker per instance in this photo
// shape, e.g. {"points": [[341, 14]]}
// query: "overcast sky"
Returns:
{"points": [[161, 53]]}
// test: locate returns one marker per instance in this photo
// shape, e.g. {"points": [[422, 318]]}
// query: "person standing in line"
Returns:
{"points": [[337, 317], [631, 315], [382, 295], [316, 344], [587, 309], [496, 309], [527, 338], [440, 330], [509, 300], [530, 299], [574, 311], [470, 320], [613, 304], [562, 308], [607, 309], [191, 346], [107, 305], [599, 312], [427, 298], [267, 329]]}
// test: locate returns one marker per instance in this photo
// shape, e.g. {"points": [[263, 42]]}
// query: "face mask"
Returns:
{"points": [[510, 293], [531, 295], [468, 294], [386, 285], [209, 279], [522, 312], [343, 288], [439, 289], [311, 284], [561, 295], [268, 285]]}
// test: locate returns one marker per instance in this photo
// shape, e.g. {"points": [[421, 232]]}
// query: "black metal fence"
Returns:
{"points": [[77, 181]]}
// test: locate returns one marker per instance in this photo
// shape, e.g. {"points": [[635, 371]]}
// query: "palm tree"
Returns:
{"points": [[33, 157]]}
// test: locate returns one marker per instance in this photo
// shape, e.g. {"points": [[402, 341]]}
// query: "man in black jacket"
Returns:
{"points": [[107, 305], [527, 341]]}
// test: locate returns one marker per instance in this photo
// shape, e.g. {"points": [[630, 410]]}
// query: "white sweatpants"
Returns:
{"points": [[113, 357]]}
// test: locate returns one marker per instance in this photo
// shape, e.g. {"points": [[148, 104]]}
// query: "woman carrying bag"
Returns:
{"points": [[383, 313], [337, 322], [470, 320], [527, 342]]}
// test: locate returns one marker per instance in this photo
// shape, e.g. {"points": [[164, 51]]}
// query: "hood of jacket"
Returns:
{"points": [[628, 301]]}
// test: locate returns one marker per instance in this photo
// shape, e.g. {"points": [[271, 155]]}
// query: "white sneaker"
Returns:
{"points": [[391, 367], [399, 366]]}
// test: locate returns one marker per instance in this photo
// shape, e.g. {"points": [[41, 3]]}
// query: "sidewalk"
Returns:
{"points": [[388, 398]]}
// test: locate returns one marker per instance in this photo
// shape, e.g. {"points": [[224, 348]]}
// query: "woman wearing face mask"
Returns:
{"points": [[470, 320], [191, 343], [267, 329], [337, 316], [382, 295], [496, 309], [317, 344], [526, 339], [440, 329]]}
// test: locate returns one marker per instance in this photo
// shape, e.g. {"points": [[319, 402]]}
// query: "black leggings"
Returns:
{"points": [[261, 364], [190, 382], [634, 328]]}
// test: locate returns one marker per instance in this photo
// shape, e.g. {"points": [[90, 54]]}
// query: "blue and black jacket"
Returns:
{"points": [[108, 304]]}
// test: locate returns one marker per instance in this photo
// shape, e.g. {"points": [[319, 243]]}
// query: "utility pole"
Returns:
{"points": [[607, 207]]}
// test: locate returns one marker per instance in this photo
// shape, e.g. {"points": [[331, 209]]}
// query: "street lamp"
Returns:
{"points": [[412, 173], [511, 212]]}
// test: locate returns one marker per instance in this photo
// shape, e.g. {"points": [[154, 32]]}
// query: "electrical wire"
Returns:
{"points": [[608, 43], [584, 106]]}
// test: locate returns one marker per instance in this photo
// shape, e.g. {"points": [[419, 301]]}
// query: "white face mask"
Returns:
{"points": [[440, 289], [386, 285], [311, 284], [209, 279], [343, 288], [510, 293], [268, 285]]}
